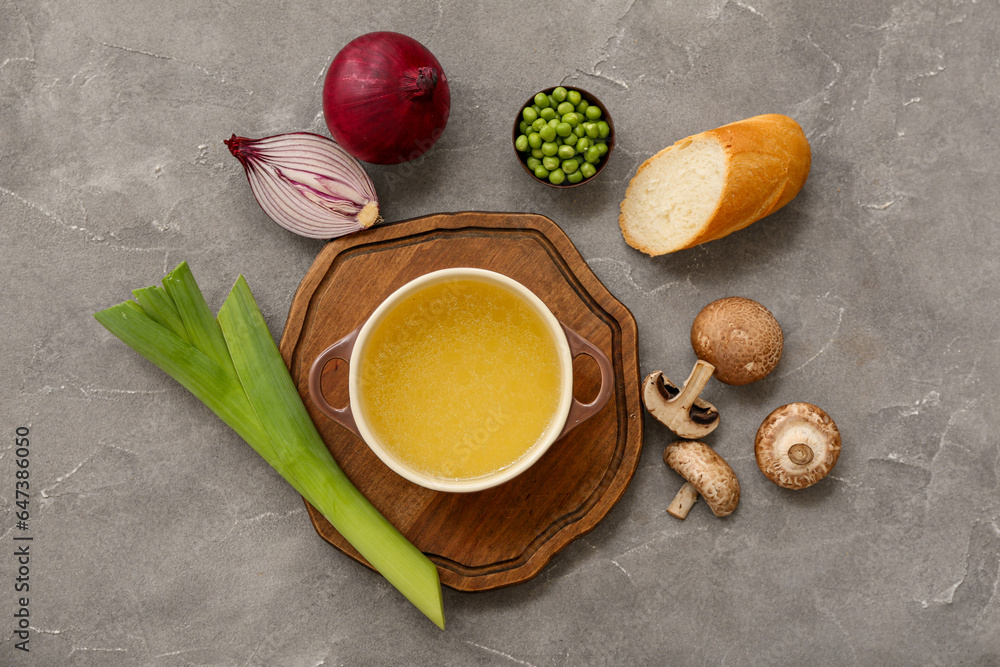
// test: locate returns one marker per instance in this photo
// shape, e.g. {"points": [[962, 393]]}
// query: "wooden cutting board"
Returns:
{"points": [[504, 535]]}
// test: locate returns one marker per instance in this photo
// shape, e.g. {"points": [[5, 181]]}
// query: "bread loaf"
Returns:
{"points": [[711, 184]]}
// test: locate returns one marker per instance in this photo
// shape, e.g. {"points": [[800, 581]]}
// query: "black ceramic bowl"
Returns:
{"points": [[605, 116]]}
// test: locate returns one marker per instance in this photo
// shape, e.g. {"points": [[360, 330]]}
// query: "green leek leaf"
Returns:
{"points": [[202, 329], [213, 385], [161, 309]]}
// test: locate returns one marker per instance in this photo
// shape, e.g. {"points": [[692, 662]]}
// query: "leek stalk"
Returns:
{"points": [[234, 367]]}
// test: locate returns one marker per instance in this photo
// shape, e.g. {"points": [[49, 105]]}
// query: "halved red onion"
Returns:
{"points": [[308, 184]]}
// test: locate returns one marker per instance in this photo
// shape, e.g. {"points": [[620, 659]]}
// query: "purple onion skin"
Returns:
{"points": [[386, 98]]}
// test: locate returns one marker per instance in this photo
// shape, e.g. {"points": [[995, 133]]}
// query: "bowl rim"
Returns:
{"points": [[534, 453], [605, 115]]}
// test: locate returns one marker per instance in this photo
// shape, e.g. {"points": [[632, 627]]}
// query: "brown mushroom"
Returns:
{"points": [[705, 473], [739, 337], [681, 410], [797, 445]]}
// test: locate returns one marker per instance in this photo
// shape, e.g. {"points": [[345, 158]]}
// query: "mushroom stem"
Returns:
{"points": [[682, 503], [700, 375], [800, 454]]}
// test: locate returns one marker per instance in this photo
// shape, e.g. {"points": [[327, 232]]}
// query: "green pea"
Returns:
{"points": [[559, 93], [530, 115], [547, 113], [557, 176], [578, 130], [571, 140], [582, 106], [587, 169], [541, 172], [566, 152], [573, 97], [534, 140], [582, 144], [604, 129], [602, 148], [550, 162], [532, 163], [550, 148], [564, 129], [571, 118], [593, 112], [565, 108], [522, 127], [521, 143], [554, 121], [542, 100], [547, 133], [538, 124], [592, 155], [552, 102], [592, 130], [575, 177], [537, 153], [569, 166]]}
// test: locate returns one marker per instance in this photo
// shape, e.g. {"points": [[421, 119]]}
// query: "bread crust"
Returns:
{"points": [[767, 161]]}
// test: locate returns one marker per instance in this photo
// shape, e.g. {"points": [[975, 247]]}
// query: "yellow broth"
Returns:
{"points": [[460, 379]]}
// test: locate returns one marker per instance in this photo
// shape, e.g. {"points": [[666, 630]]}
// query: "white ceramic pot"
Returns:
{"points": [[569, 413]]}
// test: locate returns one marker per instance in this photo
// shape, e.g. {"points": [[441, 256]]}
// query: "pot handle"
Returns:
{"points": [[340, 350], [581, 412]]}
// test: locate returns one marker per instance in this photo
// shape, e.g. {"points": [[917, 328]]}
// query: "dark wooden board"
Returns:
{"points": [[504, 535]]}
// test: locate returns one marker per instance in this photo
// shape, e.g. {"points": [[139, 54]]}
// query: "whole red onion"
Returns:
{"points": [[386, 98]]}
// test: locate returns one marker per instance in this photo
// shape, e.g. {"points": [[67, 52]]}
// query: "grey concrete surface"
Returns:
{"points": [[161, 539]]}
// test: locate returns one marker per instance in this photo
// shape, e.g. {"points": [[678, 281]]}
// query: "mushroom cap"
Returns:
{"points": [[739, 337], [789, 427], [707, 472]]}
